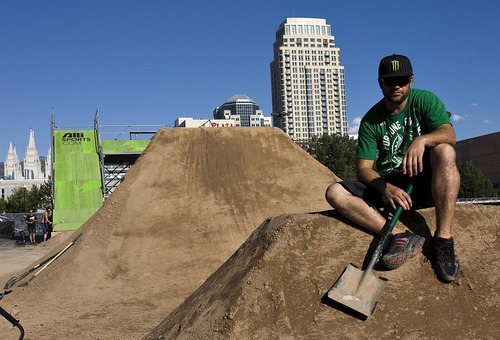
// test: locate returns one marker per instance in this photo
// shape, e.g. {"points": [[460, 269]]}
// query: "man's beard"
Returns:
{"points": [[396, 100]]}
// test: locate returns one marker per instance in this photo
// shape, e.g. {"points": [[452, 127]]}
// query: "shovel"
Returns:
{"points": [[358, 289]]}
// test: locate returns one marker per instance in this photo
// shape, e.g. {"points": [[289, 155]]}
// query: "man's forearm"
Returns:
{"points": [[443, 134], [371, 178]]}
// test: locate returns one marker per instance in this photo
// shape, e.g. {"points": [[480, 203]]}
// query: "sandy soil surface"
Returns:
{"points": [[225, 234], [274, 287]]}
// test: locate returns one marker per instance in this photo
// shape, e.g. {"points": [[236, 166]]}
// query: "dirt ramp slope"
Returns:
{"points": [[189, 202], [273, 287]]}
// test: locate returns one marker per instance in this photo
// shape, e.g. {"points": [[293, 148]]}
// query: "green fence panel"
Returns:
{"points": [[123, 146]]}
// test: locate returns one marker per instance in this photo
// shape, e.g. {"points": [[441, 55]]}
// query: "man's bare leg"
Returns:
{"points": [[445, 187], [403, 246], [354, 208]]}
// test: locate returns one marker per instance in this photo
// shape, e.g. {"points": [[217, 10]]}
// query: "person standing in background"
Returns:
{"points": [[31, 221], [47, 222]]}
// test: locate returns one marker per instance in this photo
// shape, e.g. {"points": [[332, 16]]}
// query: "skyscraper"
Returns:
{"points": [[308, 88]]}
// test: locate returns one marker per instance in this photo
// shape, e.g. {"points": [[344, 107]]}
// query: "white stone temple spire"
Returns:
{"points": [[12, 167], [32, 166], [48, 164]]}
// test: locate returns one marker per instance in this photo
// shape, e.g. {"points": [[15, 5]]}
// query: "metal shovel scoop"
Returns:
{"points": [[361, 290]]}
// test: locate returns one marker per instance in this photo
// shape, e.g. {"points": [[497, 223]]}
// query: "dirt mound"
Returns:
{"points": [[195, 199], [274, 286], [189, 202]]}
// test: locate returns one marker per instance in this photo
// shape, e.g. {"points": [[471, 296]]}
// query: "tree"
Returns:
{"points": [[338, 153], [45, 194], [473, 183], [23, 200], [17, 201], [3, 204]]}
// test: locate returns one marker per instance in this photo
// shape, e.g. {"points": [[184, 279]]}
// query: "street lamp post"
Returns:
{"points": [[24, 198]]}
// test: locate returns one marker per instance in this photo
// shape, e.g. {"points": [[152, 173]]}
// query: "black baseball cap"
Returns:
{"points": [[395, 65]]}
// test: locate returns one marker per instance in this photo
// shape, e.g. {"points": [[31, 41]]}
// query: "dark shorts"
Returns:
{"points": [[31, 228], [421, 196]]}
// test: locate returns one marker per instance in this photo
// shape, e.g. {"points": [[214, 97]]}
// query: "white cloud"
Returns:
{"points": [[456, 118], [474, 104], [354, 126], [486, 121]]}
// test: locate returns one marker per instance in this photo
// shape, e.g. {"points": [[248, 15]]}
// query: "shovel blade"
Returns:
{"points": [[358, 290], [10, 283]]}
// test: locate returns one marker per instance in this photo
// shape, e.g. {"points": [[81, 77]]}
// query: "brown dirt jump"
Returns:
{"points": [[225, 234]]}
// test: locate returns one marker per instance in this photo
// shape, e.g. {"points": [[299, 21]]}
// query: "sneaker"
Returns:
{"points": [[447, 266], [403, 246]]}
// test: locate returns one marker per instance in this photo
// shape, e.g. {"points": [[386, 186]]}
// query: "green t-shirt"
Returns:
{"points": [[385, 137]]}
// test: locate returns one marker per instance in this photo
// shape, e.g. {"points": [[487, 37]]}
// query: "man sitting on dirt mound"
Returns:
{"points": [[410, 136]]}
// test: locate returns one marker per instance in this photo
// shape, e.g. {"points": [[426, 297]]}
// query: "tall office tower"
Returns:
{"points": [[308, 88]]}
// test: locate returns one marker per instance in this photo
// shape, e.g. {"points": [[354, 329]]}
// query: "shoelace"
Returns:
{"points": [[446, 251]]}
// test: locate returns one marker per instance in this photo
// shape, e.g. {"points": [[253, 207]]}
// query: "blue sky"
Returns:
{"points": [[147, 62]]}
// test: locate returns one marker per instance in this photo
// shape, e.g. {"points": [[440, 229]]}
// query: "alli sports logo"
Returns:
{"points": [[74, 138], [395, 65]]}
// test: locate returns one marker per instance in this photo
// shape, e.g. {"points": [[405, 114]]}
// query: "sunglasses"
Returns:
{"points": [[393, 81]]}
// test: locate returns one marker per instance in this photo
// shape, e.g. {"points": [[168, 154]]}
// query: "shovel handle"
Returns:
{"points": [[58, 254], [390, 223]]}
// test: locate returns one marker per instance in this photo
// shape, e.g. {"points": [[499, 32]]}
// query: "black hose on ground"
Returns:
{"points": [[13, 321]]}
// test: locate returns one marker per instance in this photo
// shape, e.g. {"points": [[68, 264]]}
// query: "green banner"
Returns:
{"points": [[77, 178]]}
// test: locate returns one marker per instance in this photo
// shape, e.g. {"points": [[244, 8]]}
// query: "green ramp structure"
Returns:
{"points": [[87, 167]]}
